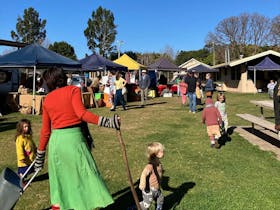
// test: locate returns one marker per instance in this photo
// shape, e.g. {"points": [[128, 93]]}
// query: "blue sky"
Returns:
{"points": [[143, 26]]}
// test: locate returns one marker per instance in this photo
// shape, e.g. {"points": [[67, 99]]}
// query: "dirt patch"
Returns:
{"points": [[265, 139]]}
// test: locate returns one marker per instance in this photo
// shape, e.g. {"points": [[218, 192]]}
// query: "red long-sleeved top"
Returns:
{"points": [[61, 108]]}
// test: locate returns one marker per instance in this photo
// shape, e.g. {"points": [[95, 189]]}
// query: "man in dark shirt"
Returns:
{"points": [[191, 81]]}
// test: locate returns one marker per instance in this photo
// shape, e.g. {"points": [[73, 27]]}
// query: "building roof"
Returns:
{"points": [[250, 58], [193, 63]]}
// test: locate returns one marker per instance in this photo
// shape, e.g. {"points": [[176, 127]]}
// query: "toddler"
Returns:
{"points": [[183, 91], [212, 118], [221, 106], [151, 177], [25, 146]]}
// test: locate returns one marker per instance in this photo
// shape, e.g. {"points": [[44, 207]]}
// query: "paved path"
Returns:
{"points": [[256, 140]]}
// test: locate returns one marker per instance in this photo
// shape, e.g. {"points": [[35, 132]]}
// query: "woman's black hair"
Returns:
{"points": [[55, 78]]}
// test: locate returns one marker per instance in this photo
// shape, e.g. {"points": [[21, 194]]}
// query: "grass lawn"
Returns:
{"points": [[236, 176]]}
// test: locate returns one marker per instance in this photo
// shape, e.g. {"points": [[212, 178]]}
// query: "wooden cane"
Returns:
{"points": [[128, 170]]}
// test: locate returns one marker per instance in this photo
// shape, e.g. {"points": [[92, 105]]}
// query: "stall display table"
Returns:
{"points": [[26, 100]]}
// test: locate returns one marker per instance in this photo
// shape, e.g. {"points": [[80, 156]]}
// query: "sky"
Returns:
{"points": [[142, 26]]}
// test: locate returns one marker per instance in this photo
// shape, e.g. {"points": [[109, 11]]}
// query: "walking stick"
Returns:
{"points": [[128, 170]]}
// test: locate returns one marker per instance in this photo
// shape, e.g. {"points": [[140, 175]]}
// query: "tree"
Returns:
{"points": [[200, 55], [259, 30], [30, 29], [168, 53], [63, 48], [275, 31], [243, 35], [101, 31]]}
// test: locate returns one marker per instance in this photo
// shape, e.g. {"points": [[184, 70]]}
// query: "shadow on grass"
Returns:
{"points": [[41, 177], [173, 200], [136, 106], [4, 126], [263, 136], [124, 198], [226, 136], [125, 201]]}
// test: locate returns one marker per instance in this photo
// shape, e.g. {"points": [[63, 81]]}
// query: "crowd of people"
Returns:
{"points": [[69, 151]]}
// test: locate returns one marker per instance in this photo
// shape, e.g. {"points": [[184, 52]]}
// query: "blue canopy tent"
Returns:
{"points": [[35, 56], [96, 62], [265, 65], [161, 65]]}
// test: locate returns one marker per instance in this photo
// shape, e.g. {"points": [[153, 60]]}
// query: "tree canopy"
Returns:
{"points": [[101, 31], [244, 35], [64, 49], [30, 29]]}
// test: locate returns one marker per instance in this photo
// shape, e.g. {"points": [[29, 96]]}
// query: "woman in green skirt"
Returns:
{"points": [[75, 182]]}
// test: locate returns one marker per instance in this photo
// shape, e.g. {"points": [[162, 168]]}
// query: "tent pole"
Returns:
{"points": [[34, 86], [255, 78]]}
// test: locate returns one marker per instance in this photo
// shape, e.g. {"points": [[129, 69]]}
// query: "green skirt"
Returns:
{"points": [[75, 182]]}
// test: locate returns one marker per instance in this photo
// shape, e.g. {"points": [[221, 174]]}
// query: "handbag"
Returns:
{"points": [[208, 94], [124, 90], [87, 135]]}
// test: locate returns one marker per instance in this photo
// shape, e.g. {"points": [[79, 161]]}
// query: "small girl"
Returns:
{"points": [[198, 93], [183, 91], [151, 177], [25, 146], [221, 106]]}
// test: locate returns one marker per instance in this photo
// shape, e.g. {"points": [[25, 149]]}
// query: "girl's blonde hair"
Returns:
{"points": [[221, 95], [20, 127], [153, 149]]}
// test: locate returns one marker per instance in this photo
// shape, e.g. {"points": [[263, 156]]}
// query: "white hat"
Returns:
{"points": [[144, 71]]}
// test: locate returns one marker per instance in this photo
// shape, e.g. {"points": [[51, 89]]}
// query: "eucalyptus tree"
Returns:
{"points": [[29, 28], [101, 31], [63, 48]]}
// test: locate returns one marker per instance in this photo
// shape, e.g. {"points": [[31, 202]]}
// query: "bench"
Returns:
{"points": [[258, 121]]}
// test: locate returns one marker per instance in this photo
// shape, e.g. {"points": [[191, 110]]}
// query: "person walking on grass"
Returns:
{"points": [[25, 146], [119, 98], [75, 182], [213, 120], [220, 104], [144, 84], [191, 81], [151, 177]]}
